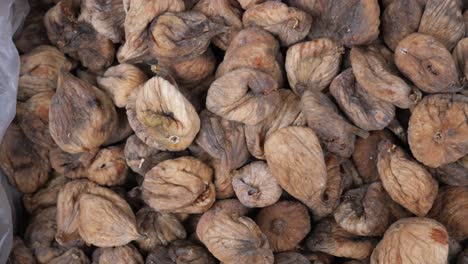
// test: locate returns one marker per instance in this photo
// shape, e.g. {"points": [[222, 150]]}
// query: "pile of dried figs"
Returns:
{"points": [[241, 132]]}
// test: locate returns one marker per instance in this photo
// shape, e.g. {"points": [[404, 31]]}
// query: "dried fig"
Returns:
{"points": [[20, 253], [161, 116], [180, 252], [246, 4], [181, 185], [366, 111], [106, 17], [44, 197], [230, 206], [120, 81], [289, 24], [33, 32], [71, 256], [159, 228], [291, 258], [312, 65], [460, 55], [284, 224], [455, 174], [425, 241], [127, 254], [189, 73], [437, 129]]}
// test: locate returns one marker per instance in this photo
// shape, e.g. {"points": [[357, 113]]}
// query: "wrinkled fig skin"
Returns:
{"points": [[255, 186], [120, 81], [20, 253], [180, 252], [223, 12], [289, 24], [440, 137], [353, 22], [140, 13], [296, 161], [33, 32], [44, 197], [332, 129], [26, 165], [81, 116], [455, 174], [413, 240], [160, 229], [192, 72], [400, 18], [328, 237], [71, 256], [285, 224], [451, 209], [246, 4], [181, 185], [364, 211], [39, 71], [460, 55], [427, 63], [175, 37], [106, 17], [127, 254], [378, 76], [307, 5], [291, 258], [443, 20], [312, 65], [233, 239], [243, 95], [366, 111], [161, 116]]}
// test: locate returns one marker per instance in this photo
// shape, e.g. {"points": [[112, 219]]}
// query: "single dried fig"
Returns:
{"points": [[161, 116], [46, 196], [159, 228], [413, 239], [460, 55], [366, 111], [437, 129], [348, 22], [364, 211], [450, 209], [180, 252], [139, 14], [455, 174], [289, 24], [443, 20], [127, 254], [291, 258], [120, 81], [71, 256], [191, 72], [284, 224], [106, 17], [33, 32], [181, 185], [20, 253], [312, 65]]}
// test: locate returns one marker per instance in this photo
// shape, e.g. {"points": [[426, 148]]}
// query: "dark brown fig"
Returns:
{"points": [[127, 254], [180, 252], [106, 17], [33, 32], [71, 256], [455, 174], [20, 253], [46, 196]]}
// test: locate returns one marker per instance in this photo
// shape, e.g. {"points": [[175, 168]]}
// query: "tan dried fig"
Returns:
{"points": [[460, 55], [415, 239], [71, 256], [181, 185], [364, 211], [120, 81], [285, 224], [139, 14], [81, 117], [246, 4], [106, 17], [20, 253], [443, 20], [450, 208], [291, 258], [189, 73], [312, 65], [455, 174], [160, 229], [289, 24], [33, 32], [255, 186], [25, 164], [405, 180], [374, 70], [440, 137], [243, 95], [126, 254], [180, 252], [366, 111], [46, 196], [161, 116]]}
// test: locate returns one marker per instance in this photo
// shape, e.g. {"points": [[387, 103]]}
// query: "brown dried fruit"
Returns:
{"points": [[81, 117], [72, 256], [450, 208], [312, 65], [127, 254], [366, 111], [440, 137], [364, 211], [161, 116], [180, 252], [33, 32], [189, 73], [160, 229], [181, 185], [106, 17], [20, 253], [455, 173], [327, 236], [460, 55], [246, 4], [291, 258], [285, 224], [243, 95], [25, 164], [46, 196], [139, 14], [289, 24], [255, 186], [374, 70], [410, 239], [443, 20], [120, 81], [348, 22]]}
